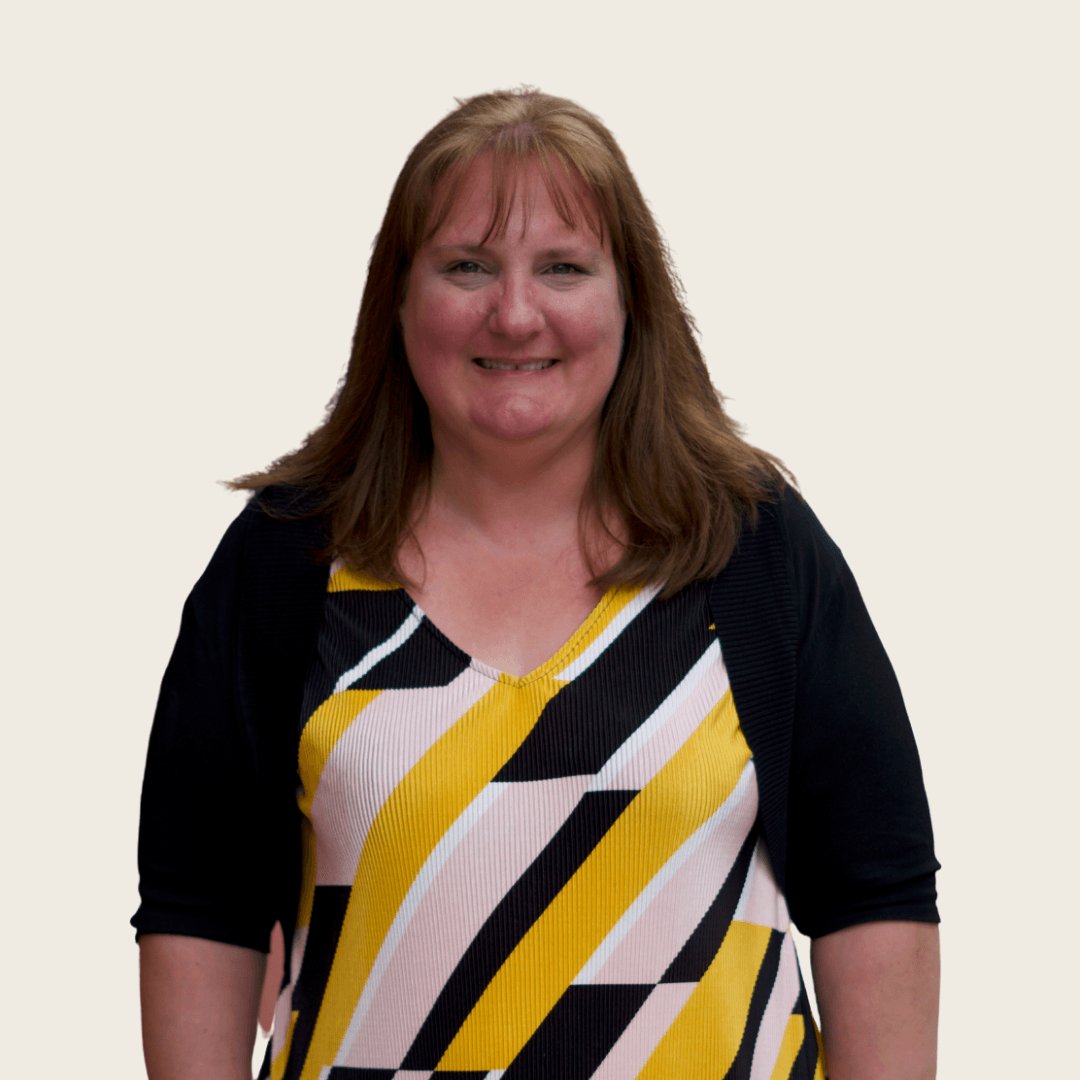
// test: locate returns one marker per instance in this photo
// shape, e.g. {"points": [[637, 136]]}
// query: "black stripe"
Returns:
{"points": [[807, 1059], [327, 917], [591, 717], [763, 987], [522, 905], [576, 1036], [343, 1072], [354, 622], [460, 1075], [704, 943], [423, 660]]}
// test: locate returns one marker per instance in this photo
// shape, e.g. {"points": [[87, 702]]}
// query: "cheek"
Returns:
{"points": [[436, 333], [445, 325], [597, 332]]}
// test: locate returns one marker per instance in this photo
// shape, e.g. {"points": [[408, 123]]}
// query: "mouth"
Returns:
{"points": [[502, 365]]}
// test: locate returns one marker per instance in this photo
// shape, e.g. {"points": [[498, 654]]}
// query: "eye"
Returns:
{"points": [[564, 269], [467, 267]]}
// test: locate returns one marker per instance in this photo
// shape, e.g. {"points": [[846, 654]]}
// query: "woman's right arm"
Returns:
{"points": [[200, 1003], [219, 833]]}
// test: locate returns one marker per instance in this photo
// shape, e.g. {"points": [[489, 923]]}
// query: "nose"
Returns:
{"points": [[517, 311]]}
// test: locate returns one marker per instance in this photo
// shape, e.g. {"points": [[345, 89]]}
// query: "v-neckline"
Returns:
{"points": [[558, 660]]}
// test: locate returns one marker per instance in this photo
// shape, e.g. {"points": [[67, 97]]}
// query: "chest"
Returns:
{"points": [[513, 623], [403, 726], [511, 612]]}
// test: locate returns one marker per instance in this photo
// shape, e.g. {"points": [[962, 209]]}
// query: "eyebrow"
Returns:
{"points": [[551, 253]]}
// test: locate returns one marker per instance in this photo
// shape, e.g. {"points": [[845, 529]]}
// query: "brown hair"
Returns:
{"points": [[670, 462]]}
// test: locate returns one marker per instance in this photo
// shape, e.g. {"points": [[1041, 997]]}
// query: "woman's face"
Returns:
{"points": [[520, 338]]}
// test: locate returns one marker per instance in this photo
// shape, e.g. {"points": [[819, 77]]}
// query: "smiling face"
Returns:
{"points": [[519, 338]]}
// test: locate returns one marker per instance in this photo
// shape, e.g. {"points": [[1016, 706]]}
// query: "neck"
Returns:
{"points": [[505, 489]]}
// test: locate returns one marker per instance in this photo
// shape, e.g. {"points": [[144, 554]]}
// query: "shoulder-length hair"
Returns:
{"points": [[670, 463]]}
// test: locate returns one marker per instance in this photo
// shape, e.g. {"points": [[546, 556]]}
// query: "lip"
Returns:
{"points": [[517, 361]]}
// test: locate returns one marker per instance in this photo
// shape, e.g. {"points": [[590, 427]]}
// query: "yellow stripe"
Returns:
{"points": [[318, 739], [611, 603], [407, 827], [682, 795], [277, 1066], [320, 735], [614, 600], [790, 1046], [705, 1037], [347, 578]]}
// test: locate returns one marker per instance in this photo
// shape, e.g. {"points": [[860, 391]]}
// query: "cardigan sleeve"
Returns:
{"points": [[860, 844], [203, 870]]}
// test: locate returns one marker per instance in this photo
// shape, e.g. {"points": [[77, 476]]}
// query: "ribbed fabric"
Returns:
{"points": [[559, 875], [843, 812], [754, 603]]}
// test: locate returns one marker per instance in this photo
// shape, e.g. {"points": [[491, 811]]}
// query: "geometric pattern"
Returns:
{"points": [[560, 875]]}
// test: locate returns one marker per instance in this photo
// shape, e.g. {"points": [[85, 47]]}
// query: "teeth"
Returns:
{"points": [[498, 365]]}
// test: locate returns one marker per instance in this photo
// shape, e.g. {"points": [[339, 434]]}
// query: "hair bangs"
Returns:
{"points": [[567, 188]]}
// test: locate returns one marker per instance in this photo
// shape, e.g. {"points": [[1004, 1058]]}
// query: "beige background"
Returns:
{"points": [[874, 211]]}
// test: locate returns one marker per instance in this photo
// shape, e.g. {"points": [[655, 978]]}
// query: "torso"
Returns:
{"points": [[554, 876]]}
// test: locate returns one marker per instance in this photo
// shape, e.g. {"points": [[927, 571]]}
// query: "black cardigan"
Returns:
{"points": [[842, 803]]}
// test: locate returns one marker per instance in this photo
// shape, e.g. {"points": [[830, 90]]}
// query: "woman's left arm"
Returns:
{"points": [[877, 989]]}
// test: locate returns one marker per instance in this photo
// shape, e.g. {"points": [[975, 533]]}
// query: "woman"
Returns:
{"points": [[515, 809]]}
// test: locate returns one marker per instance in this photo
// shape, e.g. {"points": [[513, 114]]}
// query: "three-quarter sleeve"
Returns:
{"points": [[203, 865], [860, 844]]}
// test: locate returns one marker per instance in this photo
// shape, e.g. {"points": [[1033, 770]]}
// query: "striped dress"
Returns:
{"points": [[554, 876]]}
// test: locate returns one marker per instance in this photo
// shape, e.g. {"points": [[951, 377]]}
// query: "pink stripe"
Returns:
{"points": [[785, 993], [635, 1045], [655, 939], [488, 861], [678, 727], [373, 756], [763, 904]]}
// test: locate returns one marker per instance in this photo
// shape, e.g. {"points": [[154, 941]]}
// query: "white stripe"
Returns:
{"points": [[622, 757], [662, 877], [421, 883], [495, 1074], [395, 641], [606, 636]]}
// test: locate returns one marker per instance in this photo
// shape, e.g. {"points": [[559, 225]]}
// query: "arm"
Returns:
{"points": [[200, 1000], [877, 988]]}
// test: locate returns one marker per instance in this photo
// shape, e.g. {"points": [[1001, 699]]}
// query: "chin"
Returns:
{"points": [[516, 419]]}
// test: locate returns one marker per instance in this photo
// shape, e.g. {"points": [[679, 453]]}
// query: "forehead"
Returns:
{"points": [[486, 197]]}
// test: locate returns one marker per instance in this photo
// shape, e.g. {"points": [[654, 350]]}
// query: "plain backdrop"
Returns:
{"points": [[873, 209]]}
